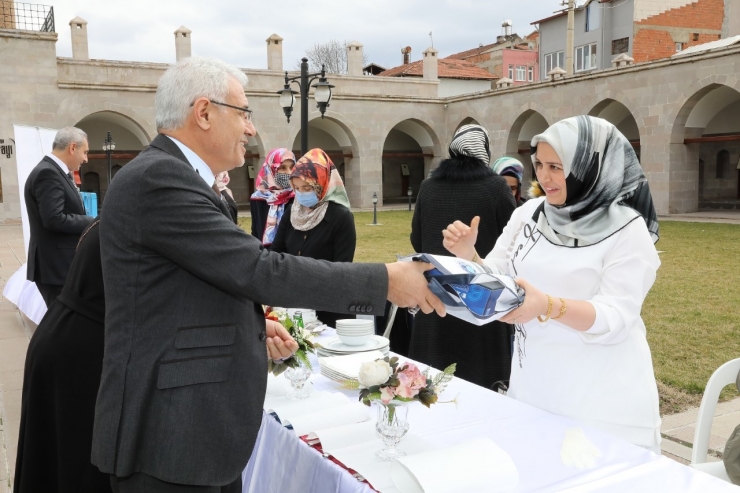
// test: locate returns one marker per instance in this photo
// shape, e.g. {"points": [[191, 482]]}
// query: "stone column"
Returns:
{"points": [[182, 43], [430, 64], [275, 53], [7, 14], [354, 58], [79, 38]]}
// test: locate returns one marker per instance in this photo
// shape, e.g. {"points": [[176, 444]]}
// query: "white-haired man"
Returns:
{"points": [[56, 215], [184, 372]]}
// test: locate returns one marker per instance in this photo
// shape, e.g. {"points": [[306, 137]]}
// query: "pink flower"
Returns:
{"points": [[387, 394], [411, 380]]}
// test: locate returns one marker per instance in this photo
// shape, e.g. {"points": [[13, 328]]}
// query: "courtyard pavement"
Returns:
{"points": [[16, 331]]}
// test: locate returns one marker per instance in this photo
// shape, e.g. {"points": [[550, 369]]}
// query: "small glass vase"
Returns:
{"points": [[391, 425], [298, 376]]}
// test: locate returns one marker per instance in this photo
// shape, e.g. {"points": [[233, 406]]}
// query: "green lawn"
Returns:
{"points": [[692, 313]]}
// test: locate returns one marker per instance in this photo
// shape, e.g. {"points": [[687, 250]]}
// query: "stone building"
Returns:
{"points": [[678, 112]]}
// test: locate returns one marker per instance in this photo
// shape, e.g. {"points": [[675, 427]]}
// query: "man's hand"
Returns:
{"points": [[280, 345], [407, 287]]}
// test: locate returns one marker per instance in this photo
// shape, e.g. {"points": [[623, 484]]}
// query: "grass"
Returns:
{"points": [[691, 313]]}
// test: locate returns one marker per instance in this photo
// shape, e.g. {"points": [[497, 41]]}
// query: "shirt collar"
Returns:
{"points": [[196, 162], [59, 162]]}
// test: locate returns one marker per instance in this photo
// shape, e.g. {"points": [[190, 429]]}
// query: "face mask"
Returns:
{"points": [[282, 180], [307, 199]]}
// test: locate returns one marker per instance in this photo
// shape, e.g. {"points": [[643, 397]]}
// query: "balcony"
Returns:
{"points": [[26, 16]]}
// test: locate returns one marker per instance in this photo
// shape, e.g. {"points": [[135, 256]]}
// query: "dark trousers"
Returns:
{"points": [[143, 483], [49, 292]]}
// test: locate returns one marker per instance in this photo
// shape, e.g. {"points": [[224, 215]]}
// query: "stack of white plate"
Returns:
{"points": [[354, 331], [333, 346], [346, 367]]}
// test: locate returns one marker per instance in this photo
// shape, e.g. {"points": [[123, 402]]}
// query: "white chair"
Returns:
{"points": [[723, 376]]}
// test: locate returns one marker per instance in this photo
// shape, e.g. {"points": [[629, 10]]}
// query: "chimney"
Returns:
{"points": [[506, 25], [79, 38], [622, 60], [7, 14], [556, 73], [275, 53], [430, 64], [504, 83], [354, 58], [500, 39], [405, 52], [182, 43]]}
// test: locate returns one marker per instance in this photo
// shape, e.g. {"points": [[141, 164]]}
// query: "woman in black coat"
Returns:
{"points": [[462, 187], [60, 384], [319, 224]]}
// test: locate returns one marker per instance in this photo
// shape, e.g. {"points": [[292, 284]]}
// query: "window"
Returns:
{"points": [[530, 74], [593, 16], [511, 72], [586, 57], [696, 36], [553, 60], [679, 47], [723, 162], [621, 45], [521, 73]]}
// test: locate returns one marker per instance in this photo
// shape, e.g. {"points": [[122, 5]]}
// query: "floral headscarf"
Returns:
{"points": [[267, 188], [319, 172]]}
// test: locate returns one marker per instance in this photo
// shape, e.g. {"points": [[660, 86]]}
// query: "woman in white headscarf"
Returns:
{"points": [[585, 255]]}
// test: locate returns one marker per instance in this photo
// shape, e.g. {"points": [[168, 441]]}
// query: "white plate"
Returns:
{"points": [[336, 346]]}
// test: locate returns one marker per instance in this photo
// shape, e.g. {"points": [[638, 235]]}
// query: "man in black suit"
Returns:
{"points": [[186, 342], [56, 214]]}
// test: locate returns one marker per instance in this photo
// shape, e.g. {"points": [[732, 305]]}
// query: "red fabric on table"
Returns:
{"points": [[317, 447]]}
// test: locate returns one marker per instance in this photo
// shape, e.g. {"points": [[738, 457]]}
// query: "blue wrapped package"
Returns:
{"points": [[470, 291], [90, 201]]}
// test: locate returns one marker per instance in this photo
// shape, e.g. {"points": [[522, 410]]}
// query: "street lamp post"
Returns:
{"points": [[109, 146], [409, 192], [322, 95], [375, 208]]}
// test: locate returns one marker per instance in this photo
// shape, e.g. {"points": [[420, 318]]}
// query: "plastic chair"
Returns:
{"points": [[723, 376]]}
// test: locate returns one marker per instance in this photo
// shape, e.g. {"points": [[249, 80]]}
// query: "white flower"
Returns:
{"points": [[374, 373]]}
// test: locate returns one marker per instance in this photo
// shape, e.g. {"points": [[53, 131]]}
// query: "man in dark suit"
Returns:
{"points": [[56, 214], [186, 343]]}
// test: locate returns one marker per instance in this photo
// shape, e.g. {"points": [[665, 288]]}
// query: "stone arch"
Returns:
{"points": [[704, 121], [606, 98], [619, 115], [124, 116], [242, 178], [529, 123], [466, 121], [411, 149]]}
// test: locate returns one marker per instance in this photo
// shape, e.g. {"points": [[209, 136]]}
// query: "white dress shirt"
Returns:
{"points": [[59, 162], [196, 162]]}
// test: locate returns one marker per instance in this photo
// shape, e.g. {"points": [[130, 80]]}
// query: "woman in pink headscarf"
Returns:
{"points": [[273, 192], [222, 182]]}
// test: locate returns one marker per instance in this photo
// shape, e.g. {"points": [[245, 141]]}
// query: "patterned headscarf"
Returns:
{"points": [[266, 188], [471, 141], [508, 166], [605, 186], [318, 171], [222, 180]]}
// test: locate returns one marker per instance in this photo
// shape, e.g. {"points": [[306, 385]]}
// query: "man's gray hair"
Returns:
{"points": [[67, 136], [188, 80]]}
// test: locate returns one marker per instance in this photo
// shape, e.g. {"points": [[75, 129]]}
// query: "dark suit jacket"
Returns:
{"points": [[56, 218], [185, 364]]}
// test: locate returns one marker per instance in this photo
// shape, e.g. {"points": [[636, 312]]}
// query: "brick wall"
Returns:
{"points": [[7, 14], [696, 23]]}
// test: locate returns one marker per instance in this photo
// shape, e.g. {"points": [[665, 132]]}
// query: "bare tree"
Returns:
{"points": [[332, 54]]}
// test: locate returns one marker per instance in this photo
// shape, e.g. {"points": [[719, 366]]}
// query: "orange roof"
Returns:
{"points": [[468, 53], [446, 69], [535, 34]]}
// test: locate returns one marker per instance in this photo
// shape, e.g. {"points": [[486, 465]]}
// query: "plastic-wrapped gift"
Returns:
{"points": [[470, 291]]}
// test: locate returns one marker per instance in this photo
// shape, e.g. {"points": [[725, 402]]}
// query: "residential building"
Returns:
{"points": [[455, 76]]}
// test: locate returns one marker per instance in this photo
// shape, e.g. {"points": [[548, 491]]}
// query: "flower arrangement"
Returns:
{"points": [[300, 335], [390, 382]]}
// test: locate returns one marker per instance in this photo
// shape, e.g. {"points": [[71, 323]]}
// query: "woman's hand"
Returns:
{"points": [[459, 238], [535, 304], [280, 345]]}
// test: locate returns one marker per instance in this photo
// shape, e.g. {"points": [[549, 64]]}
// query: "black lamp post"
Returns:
{"points": [[409, 192], [375, 208], [322, 95], [109, 146]]}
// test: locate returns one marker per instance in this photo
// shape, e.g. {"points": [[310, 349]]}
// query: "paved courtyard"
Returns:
{"points": [[16, 331]]}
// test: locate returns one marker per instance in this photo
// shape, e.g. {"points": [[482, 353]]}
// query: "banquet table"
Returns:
{"points": [[281, 462]]}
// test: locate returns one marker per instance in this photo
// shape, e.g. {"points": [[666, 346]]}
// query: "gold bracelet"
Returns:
{"points": [[475, 258], [563, 309], [549, 310]]}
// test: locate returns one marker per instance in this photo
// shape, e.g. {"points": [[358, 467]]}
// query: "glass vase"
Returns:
{"points": [[391, 425], [298, 376]]}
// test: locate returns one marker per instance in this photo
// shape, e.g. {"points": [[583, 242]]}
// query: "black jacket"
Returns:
{"points": [[56, 217]]}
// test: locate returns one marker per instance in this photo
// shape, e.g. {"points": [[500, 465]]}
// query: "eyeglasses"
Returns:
{"points": [[245, 113]]}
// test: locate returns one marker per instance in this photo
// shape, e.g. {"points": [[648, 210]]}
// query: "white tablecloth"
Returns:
{"points": [[531, 437]]}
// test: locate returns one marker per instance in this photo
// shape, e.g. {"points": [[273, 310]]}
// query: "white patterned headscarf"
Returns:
{"points": [[471, 141], [606, 188]]}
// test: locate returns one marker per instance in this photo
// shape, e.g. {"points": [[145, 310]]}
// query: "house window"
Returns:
{"points": [[679, 47], [530, 74], [521, 73], [593, 16], [586, 57], [621, 45], [553, 60], [511, 72], [696, 36]]}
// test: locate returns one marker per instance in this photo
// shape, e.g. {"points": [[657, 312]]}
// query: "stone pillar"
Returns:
{"points": [[79, 38], [275, 53], [7, 14], [354, 58], [430, 64], [182, 43]]}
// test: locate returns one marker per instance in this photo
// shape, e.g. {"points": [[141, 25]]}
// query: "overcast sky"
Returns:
{"points": [[143, 30]]}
